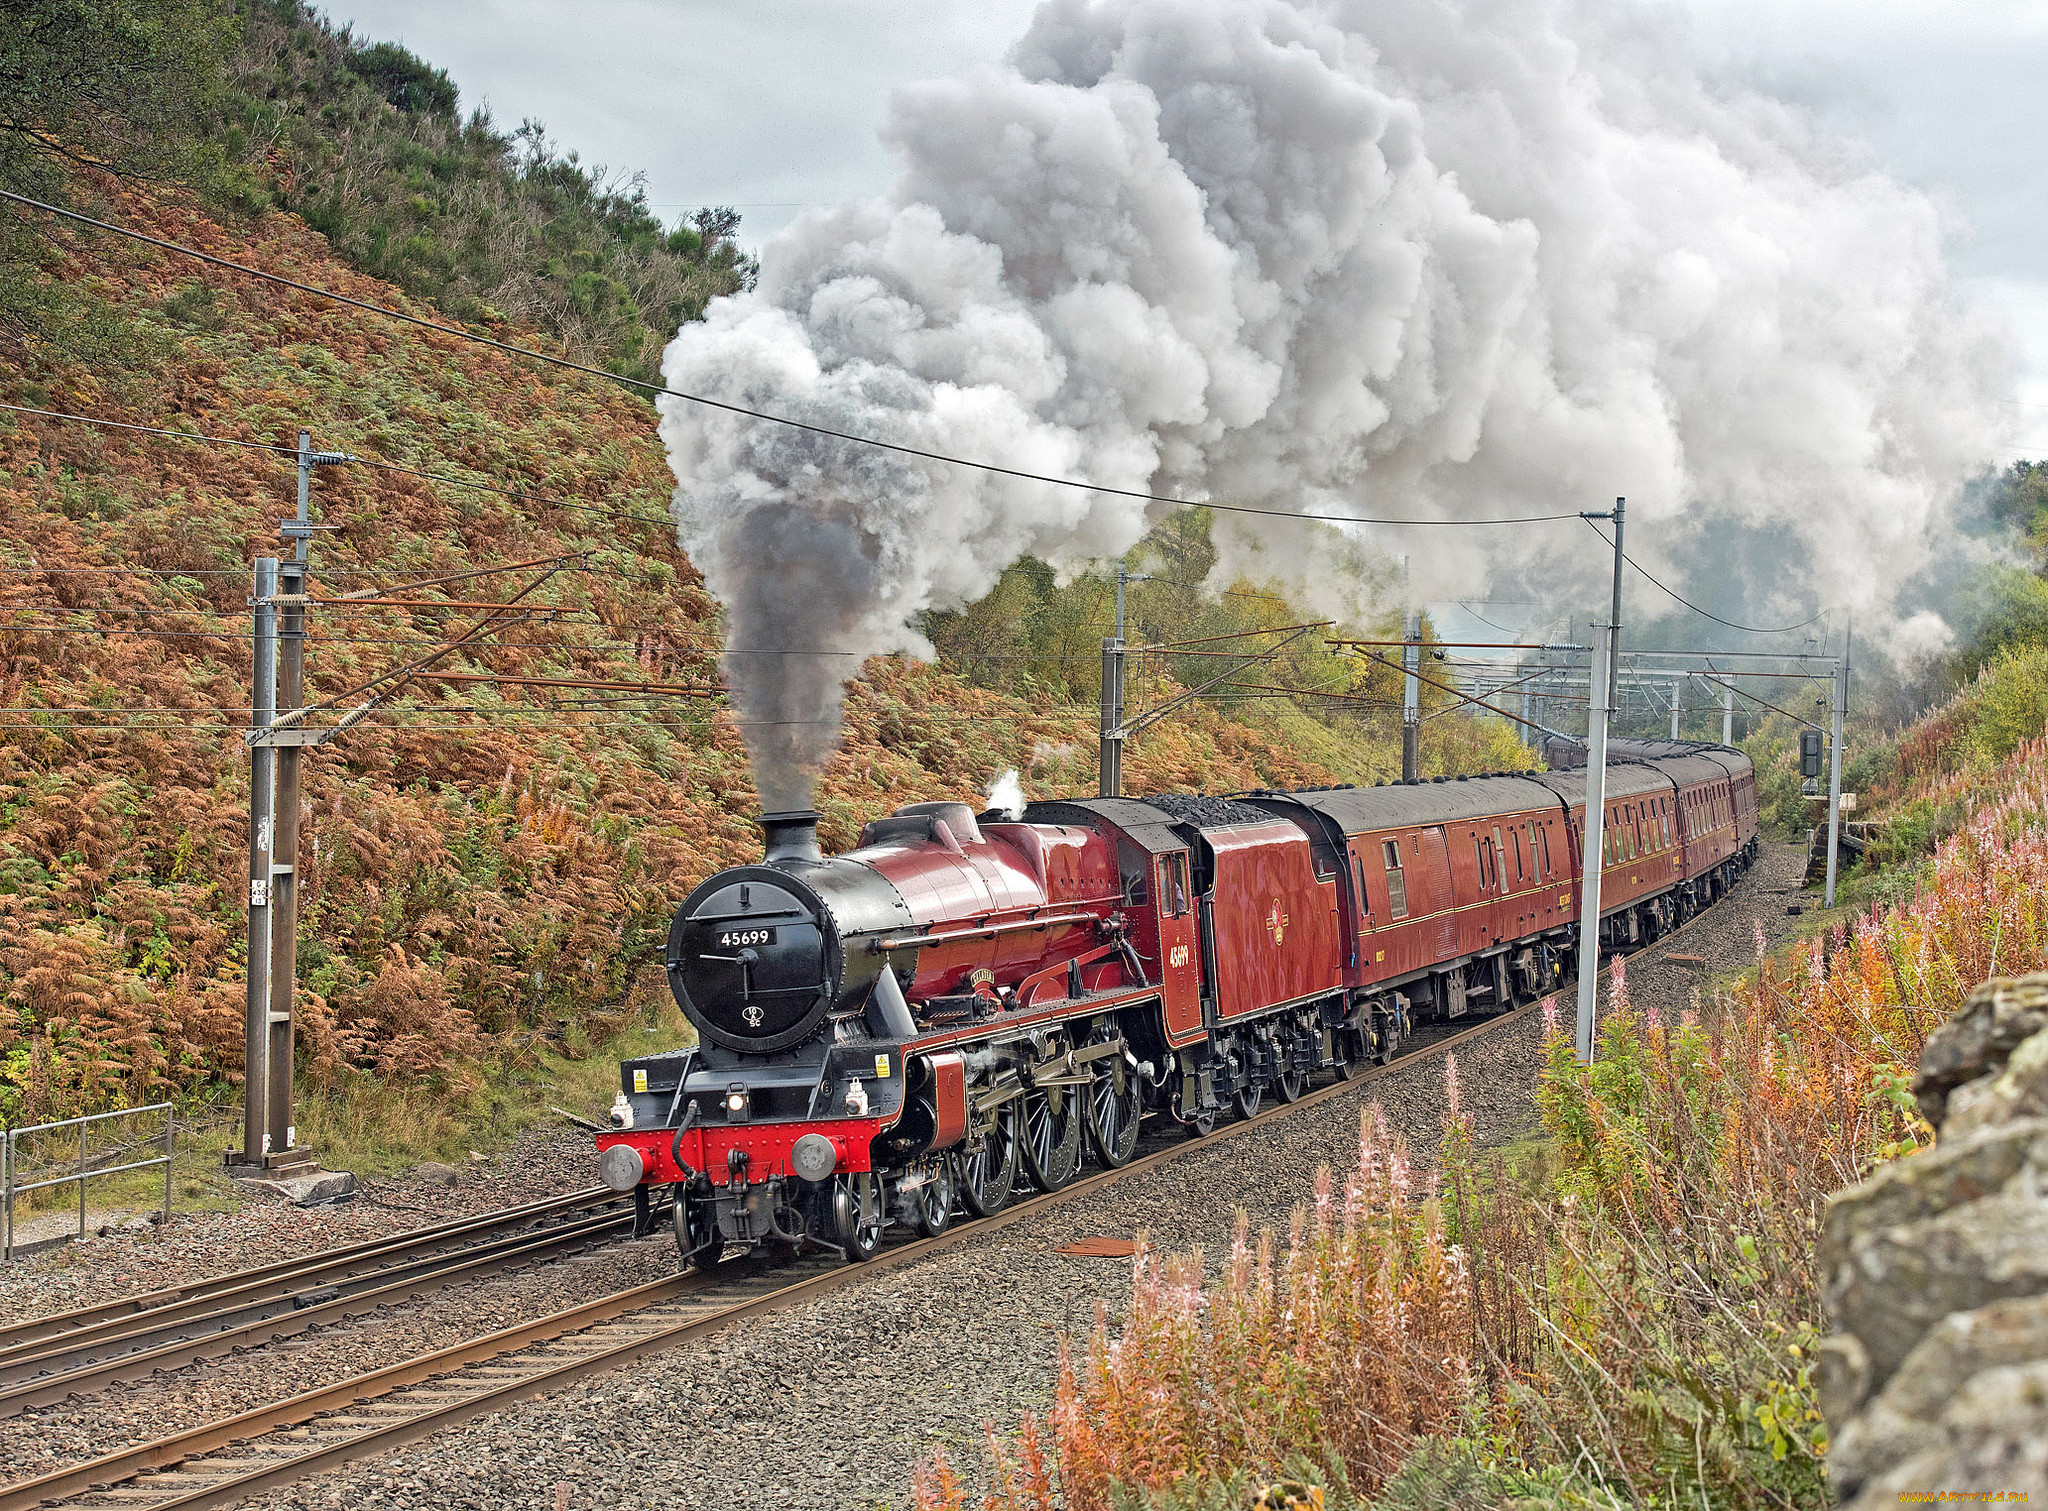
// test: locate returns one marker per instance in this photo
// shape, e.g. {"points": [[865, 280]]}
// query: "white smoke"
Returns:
{"points": [[1401, 257], [1006, 795]]}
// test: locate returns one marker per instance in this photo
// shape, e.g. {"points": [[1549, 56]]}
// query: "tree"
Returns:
{"points": [[117, 85]]}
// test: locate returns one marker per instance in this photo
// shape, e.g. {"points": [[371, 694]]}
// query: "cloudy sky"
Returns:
{"points": [[773, 106]]}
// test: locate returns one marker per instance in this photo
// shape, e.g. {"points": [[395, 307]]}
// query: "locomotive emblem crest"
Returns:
{"points": [[753, 1015], [1276, 922]]}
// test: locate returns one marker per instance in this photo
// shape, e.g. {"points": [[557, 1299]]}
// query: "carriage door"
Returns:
{"points": [[1180, 973]]}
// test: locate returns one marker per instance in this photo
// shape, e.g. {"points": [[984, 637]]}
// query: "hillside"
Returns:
{"points": [[479, 862], [485, 866]]}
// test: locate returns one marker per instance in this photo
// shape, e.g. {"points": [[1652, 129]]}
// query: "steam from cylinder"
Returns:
{"points": [[1397, 257]]}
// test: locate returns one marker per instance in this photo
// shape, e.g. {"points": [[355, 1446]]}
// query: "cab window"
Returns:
{"points": [[1173, 886]]}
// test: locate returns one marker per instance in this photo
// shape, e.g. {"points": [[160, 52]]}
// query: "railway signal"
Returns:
{"points": [[1411, 698]]}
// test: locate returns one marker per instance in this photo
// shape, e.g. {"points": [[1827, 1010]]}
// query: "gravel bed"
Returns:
{"points": [[266, 1228], [51, 1437], [832, 1403]]}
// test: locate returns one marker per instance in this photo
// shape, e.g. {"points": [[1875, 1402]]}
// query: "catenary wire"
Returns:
{"points": [[436, 477], [361, 461], [663, 391], [1747, 629]]}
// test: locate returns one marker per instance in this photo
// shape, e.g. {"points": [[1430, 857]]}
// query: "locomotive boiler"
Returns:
{"points": [[965, 1003]]}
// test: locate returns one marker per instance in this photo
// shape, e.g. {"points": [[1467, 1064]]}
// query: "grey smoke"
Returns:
{"points": [[1401, 257]]}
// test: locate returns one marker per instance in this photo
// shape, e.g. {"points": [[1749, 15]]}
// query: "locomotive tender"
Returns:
{"points": [[963, 1003]]}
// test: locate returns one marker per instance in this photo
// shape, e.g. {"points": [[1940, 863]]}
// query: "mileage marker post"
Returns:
{"points": [[1600, 703]]}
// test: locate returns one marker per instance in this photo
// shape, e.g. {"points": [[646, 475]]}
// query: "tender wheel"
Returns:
{"points": [[696, 1230], [988, 1167], [931, 1204], [1247, 1101], [1052, 1136], [857, 1215], [1115, 1103], [1290, 1081]]}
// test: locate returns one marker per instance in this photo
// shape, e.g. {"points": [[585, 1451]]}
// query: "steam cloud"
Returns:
{"points": [[1365, 256], [1006, 795]]}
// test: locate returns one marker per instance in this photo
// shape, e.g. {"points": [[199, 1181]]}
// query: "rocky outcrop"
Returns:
{"points": [[1936, 1275]]}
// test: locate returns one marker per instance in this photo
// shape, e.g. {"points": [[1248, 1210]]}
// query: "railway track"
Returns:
{"points": [[73, 1353], [219, 1463]]}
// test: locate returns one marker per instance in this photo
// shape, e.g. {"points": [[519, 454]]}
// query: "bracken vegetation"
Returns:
{"points": [[1623, 1317], [484, 867]]}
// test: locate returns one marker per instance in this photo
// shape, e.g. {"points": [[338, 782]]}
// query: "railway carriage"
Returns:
{"points": [[966, 1004]]}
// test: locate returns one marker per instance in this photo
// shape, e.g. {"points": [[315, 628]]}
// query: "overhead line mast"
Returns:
{"points": [[1602, 692]]}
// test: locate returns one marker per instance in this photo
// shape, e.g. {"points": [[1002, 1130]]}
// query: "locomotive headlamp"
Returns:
{"points": [[737, 1102]]}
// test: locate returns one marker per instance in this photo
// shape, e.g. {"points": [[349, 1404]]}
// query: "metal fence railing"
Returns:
{"points": [[12, 1185]]}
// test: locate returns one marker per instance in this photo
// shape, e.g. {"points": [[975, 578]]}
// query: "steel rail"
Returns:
{"points": [[361, 1438], [267, 1473], [265, 1282], [65, 1370]]}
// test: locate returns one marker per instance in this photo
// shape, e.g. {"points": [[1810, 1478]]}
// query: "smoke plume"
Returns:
{"points": [[1396, 257], [1006, 795]]}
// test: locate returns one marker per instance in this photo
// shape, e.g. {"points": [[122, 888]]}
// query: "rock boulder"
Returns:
{"points": [[1936, 1275]]}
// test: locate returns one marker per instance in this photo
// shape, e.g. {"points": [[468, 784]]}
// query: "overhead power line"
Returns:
{"points": [[662, 390], [1747, 629], [361, 461]]}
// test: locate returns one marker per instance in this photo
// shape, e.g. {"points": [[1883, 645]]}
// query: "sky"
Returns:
{"points": [[773, 106]]}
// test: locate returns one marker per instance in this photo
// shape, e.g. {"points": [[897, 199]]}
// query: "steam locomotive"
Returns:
{"points": [[966, 1003]]}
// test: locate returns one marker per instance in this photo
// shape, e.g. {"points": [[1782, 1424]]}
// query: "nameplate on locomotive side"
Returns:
{"points": [[740, 939]]}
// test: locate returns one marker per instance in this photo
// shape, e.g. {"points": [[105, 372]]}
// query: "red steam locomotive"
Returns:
{"points": [[963, 1003]]}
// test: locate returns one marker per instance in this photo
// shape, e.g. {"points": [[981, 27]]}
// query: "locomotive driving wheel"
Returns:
{"points": [[1051, 1144], [857, 1215], [988, 1166], [1115, 1103]]}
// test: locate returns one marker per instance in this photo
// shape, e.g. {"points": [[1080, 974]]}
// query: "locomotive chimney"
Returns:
{"points": [[791, 836]]}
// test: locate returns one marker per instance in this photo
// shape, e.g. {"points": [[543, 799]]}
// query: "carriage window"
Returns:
{"points": [[1479, 859], [1521, 871], [1500, 858], [1397, 884], [1543, 838], [1173, 885], [1667, 824], [1364, 900]]}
